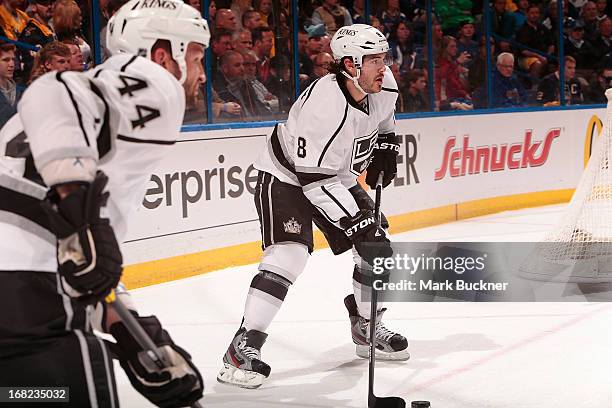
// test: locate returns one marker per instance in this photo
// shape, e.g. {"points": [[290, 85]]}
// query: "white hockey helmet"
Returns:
{"points": [[357, 40], [138, 24]]}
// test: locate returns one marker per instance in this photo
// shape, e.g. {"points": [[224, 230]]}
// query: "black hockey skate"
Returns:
{"points": [[389, 345], [242, 365]]}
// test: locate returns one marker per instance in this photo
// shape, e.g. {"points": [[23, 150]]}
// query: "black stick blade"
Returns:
{"points": [[385, 402]]}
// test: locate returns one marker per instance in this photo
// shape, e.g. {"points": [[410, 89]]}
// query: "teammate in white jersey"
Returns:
{"points": [[340, 126], [76, 159]]}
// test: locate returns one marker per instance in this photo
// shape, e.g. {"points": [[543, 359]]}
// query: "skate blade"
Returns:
{"points": [[241, 378], [363, 351]]}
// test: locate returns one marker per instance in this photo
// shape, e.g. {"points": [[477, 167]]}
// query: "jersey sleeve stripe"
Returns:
{"points": [[329, 142], [390, 90], [335, 200], [103, 140], [278, 152], [24, 206], [309, 90], [324, 214], [151, 141], [306, 179], [58, 76], [127, 64]]}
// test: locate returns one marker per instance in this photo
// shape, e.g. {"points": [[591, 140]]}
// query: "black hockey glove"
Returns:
{"points": [[384, 158], [180, 384], [89, 259], [363, 229]]}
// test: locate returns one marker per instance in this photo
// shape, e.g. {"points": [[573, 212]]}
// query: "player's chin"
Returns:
{"points": [[376, 86]]}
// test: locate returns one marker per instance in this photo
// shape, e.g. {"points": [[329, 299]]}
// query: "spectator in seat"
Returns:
{"points": [[240, 7], [601, 9], [54, 56], [321, 62], [313, 47], [376, 23], [280, 81], [393, 16], [232, 87], [466, 43], [242, 40], [12, 18], [595, 93], [302, 42], [9, 95], [332, 15], [303, 55], [264, 8], [580, 48], [520, 15], [539, 42], [437, 36], [414, 97], [67, 21], [503, 24], [548, 89], [450, 77], [37, 32], [589, 21], [194, 3], [250, 73], [478, 72], [326, 40], [402, 46], [226, 20], [357, 12], [221, 42], [251, 20], [603, 43], [263, 41], [212, 10], [76, 58], [551, 22], [507, 90]]}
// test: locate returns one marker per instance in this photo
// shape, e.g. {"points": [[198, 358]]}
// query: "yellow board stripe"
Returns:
{"points": [[184, 266]]}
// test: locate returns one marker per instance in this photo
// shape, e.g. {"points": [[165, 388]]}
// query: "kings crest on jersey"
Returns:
{"points": [[129, 110], [328, 139]]}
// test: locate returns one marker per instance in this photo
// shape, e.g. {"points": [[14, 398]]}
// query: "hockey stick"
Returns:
{"points": [[373, 400], [141, 336]]}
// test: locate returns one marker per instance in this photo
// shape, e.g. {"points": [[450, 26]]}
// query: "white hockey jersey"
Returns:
{"points": [[124, 114], [327, 142]]}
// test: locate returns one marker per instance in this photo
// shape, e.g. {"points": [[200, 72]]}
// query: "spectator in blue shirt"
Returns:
{"points": [[507, 90]]}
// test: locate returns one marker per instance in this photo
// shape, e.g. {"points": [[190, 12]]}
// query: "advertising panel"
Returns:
{"points": [[200, 197]]}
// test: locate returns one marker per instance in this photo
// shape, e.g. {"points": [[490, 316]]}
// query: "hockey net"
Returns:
{"points": [[579, 248]]}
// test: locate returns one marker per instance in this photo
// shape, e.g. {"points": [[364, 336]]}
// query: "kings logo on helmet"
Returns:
{"points": [[168, 5], [346, 31]]}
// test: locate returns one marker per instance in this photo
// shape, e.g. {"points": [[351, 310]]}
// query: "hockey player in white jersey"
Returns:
{"points": [[340, 125], [68, 182]]}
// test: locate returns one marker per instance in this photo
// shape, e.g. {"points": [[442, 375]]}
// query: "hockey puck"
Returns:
{"points": [[420, 404]]}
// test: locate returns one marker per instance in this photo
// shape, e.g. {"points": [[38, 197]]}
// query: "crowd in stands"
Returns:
{"points": [[48, 37], [523, 51], [251, 60]]}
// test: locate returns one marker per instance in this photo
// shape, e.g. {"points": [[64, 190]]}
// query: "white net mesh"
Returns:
{"points": [[579, 248]]}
